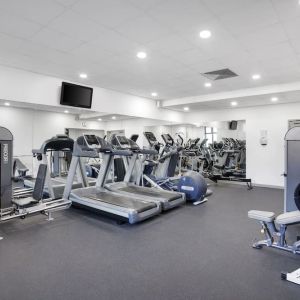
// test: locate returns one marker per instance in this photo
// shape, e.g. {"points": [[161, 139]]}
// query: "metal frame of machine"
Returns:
{"points": [[130, 186], [26, 202], [134, 209], [54, 186]]}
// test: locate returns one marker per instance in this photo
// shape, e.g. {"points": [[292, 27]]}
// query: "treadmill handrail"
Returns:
{"points": [[120, 152], [148, 151]]}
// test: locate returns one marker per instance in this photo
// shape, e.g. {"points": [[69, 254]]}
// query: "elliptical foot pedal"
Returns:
{"points": [[200, 202]]}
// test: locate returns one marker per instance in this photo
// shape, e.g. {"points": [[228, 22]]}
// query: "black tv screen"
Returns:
{"points": [[76, 95], [233, 125]]}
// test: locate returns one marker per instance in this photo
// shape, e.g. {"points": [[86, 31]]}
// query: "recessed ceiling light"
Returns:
{"points": [[141, 55], [154, 94], [207, 84], [234, 103], [7, 103], [83, 75], [205, 34], [186, 108], [274, 99], [256, 76], [66, 111], [99, 119], [113, 117]]}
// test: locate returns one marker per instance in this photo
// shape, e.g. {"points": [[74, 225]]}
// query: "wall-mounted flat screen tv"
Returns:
{"points": [[233, 125], [76, 95]]}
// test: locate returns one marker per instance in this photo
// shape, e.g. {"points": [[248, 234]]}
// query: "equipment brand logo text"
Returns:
{"points": [[5, 153]]}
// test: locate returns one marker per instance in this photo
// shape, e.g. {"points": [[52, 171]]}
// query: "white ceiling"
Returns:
{"points": [[104, 117], [245, 101], [101, 37], [59, 109], [108, 118], [81, 113]]}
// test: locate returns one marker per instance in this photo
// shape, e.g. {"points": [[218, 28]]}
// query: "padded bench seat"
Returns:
{"points": [[24, 201], [264, 216], [267, 216], [288, 218]]}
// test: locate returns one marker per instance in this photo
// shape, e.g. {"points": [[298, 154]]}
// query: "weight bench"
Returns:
{"points": [[38, 190], [274, 229]]}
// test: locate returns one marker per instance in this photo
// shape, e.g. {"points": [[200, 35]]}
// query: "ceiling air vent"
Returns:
{"points": [[219, 74]]}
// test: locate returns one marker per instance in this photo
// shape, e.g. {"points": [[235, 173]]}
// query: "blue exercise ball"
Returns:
{"points": [[194, 186]]}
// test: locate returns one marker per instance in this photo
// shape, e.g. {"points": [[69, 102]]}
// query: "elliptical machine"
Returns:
{"points": [[161, 172]]}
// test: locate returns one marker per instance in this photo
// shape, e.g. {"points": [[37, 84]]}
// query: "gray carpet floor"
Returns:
{"points": [[201, 252]]}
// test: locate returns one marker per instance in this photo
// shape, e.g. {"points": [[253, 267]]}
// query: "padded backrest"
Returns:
{"points": [[38, 189]]}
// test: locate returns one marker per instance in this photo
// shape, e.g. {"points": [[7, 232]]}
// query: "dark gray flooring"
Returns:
{"points": [[192, 252]]}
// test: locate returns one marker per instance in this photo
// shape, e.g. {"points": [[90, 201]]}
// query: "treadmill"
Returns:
{"points": [[130, 186], [131, 208], [55, 185]]}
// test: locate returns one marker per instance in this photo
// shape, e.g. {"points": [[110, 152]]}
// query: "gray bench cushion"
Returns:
{"points": [[23, 201], [288, 218], [265, 216]]}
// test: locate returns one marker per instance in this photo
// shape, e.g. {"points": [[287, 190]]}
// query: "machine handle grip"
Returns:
{"points": [[122, 152], [148, 151]]}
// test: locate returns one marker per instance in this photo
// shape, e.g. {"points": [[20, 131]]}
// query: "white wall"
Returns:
{"points": [[23, 86], [224, 131], [74, 133], [265, 164], [31, 128]]}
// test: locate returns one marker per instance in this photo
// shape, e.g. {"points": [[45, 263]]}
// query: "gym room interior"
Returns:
{"points": [[149, 149]]}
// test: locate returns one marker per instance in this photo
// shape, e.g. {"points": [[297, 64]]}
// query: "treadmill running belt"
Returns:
{"points": [[150, 192], [57, 182], [138, 205]]}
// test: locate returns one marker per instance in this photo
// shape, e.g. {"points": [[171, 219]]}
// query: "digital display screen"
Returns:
{"points": [[167, 138], [150, 136], [122, 140], [91, 139], [76, 95]]}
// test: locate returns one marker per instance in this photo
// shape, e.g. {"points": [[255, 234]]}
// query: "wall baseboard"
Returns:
{"points": [[269, 186], [255, 185]]}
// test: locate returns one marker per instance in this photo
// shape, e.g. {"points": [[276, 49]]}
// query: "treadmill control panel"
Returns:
{"points": [[92, 141], [150, 138], [124, 143], [168, 139]]}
